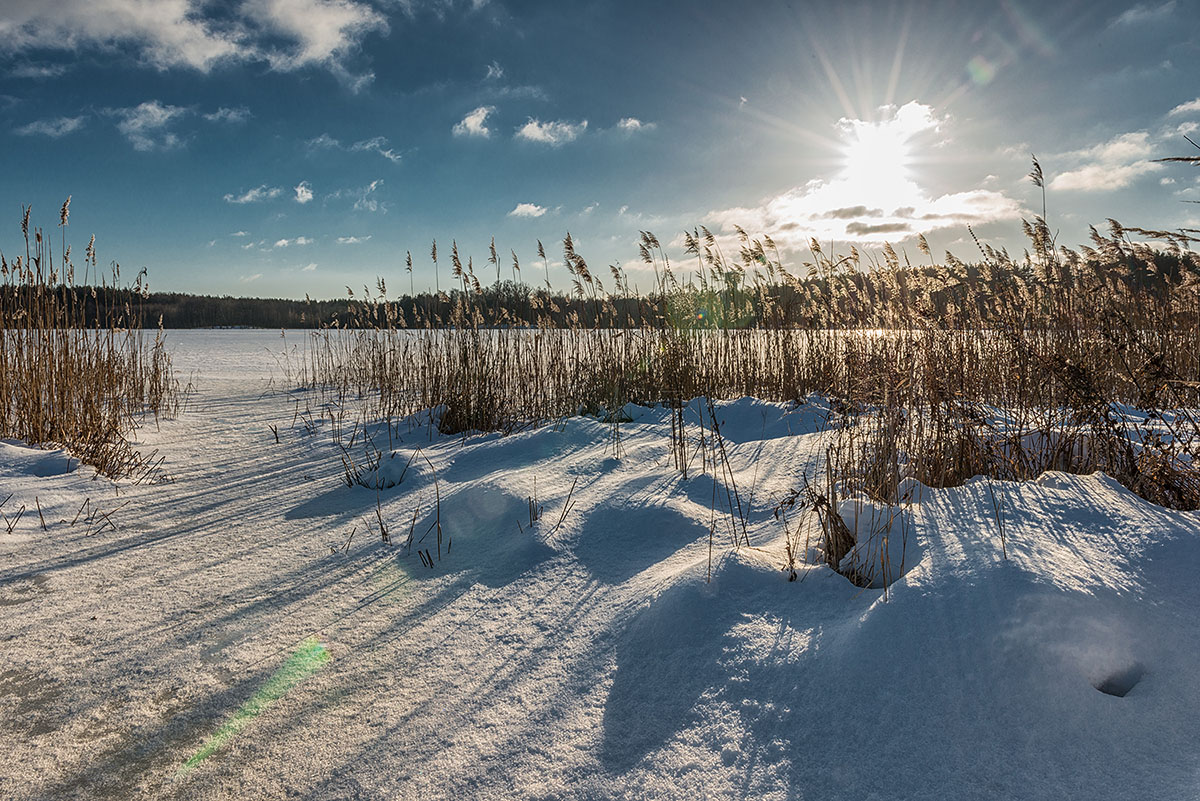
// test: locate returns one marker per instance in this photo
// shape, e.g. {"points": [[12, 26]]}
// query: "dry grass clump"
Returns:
{"points": [[75, 370]]}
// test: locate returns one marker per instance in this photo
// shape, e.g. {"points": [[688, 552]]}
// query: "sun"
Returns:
{"points": [[877, 157]]}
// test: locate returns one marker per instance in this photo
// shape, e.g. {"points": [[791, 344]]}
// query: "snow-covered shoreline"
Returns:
{"points": [[227, 636]]}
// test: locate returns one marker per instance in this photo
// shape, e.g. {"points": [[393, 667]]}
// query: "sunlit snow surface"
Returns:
{"points": [[243, 632]]}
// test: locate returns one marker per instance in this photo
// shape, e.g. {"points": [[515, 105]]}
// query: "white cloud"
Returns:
{"points": [[239, 233], [311, 267], [324, 31], [323, 142], [376, 144], [164, 34], [1126, 147], [1166, 181], [1109, 165], [352, 240], [249, 279], [230, 115], [53, 128], [1103, 177], [1190, 107], [1143, 12], [494, 72], [299, 241], [364, 199], [875, 197], [633, 125], [527, 210], [304, 192], [255, 195], [474, 124], [145, 125], [551, 133]]}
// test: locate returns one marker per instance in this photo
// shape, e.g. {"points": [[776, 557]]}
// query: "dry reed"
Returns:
{"points": [[75, 369]]}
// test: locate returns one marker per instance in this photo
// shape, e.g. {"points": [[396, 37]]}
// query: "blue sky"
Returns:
{"points": [[285, 147]]}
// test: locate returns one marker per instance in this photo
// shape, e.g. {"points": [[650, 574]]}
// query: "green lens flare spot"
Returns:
{"points": [[304, 661]]}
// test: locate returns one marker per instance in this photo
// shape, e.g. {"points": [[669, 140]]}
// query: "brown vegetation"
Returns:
{"points": [[75, 370]]}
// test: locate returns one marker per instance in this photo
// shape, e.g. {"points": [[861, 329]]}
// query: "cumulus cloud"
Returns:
{"points": [[352, 240], [875, 197], [633, 125], [303, 192], [554, 133], [527, 210], [323, 31], [1110, 165], [255, 195], [287, 34], [299, 241], [851, 212], [1103, 177], [474, 124], [53, 128], [168, 33], [146, 125]]}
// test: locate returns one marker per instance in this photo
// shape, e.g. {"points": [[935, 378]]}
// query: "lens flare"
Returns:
{"points": [[981, 70], [305, 661]]}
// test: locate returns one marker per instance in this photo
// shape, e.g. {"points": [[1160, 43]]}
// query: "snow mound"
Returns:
{"points": [[18, 459], [573, 623]]}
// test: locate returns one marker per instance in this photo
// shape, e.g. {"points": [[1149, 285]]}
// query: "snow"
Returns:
{"points": [[227, 636]]}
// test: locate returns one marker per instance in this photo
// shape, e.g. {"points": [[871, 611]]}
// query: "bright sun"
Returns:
{"points": [[877, 158]]}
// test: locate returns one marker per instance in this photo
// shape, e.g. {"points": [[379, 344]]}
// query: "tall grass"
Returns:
{"points": [[1060, 360], [75, 369]]}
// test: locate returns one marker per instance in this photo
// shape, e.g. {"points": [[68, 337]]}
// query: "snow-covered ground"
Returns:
{"points": [[224, 635]]}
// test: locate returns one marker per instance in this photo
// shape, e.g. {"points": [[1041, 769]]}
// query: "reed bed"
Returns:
{"points": [[75, 368], [1004, 368]]}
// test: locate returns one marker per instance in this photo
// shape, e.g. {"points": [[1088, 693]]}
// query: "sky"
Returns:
{"points": [[283, 148]]}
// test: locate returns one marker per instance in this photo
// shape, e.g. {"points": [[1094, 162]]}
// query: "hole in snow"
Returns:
{"points": [[1121, 682]]}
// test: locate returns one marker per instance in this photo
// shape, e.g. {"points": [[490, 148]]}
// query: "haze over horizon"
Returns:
{"points": [[279, 148]]}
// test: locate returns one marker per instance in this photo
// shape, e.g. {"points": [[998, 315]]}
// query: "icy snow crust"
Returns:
{"points": [[214, 645]]}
